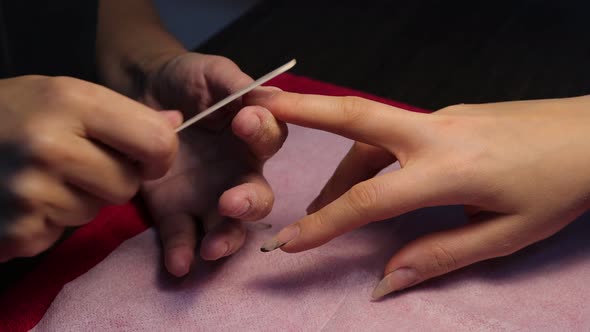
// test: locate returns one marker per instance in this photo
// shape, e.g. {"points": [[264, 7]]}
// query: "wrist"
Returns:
{"points": [[127, 69], [131, 44]]}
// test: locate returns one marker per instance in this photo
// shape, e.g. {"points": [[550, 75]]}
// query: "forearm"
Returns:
{"points": [[131, 42]]}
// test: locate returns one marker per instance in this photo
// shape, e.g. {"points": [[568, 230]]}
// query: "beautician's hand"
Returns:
{"points": [[71, 147], [217, 176], [521, 169]]}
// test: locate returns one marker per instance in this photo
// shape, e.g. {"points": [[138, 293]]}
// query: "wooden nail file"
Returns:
{"points": [[236, 95]]}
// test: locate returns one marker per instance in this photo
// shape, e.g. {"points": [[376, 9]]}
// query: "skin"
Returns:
{"points": [[519, 168], [68, 131], [216, 179]]}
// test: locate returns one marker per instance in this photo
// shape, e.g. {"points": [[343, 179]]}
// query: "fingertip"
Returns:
{"points": [[214, 250], [223, 241], [250, 201], [260, 130], [179, 260], [248, 122], [234, 204], [174, 117]]}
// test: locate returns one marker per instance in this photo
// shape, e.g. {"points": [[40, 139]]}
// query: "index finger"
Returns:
{"points": [[352, 117]]}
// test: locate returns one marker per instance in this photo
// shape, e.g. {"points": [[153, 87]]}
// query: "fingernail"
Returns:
{"points": [[242, 209], [250, 126], [283, 237], [215, 251], [264, 92], [178, 261], [395, 281]]}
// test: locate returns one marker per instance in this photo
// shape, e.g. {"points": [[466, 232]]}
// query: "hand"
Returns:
{"points": [[521, 169], [216, 177], [72, 150]]}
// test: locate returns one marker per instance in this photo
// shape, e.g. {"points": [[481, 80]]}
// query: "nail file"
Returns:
{"points": [[282, 69]]}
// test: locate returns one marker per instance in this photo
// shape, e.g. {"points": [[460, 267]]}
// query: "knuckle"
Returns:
{"points": [[63, 90], [49, 147], [124, 193], [353, 109], [469, 175], [505, 247], [362, 198], [222, 62], [321, 224], [443, 260], [456, 109]]}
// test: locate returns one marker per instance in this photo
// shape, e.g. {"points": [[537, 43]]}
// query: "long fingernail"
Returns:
{"points": [[397, 280], [283, 237]]}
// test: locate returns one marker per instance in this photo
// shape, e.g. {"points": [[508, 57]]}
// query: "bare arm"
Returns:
{"points": [[131, 43]]}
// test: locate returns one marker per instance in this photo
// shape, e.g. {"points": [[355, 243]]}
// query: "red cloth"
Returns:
{"points": [[25, 303]]}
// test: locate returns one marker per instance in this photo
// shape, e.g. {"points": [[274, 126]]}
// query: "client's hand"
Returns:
{"points": [[521, 169], [216, 178]]}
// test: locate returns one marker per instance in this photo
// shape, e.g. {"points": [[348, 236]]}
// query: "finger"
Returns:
{"points": [[443, 252], [28, 237], [133, 129], [224, 73], [224, 240], [260, 130], [223, 78], [376, 199], [362, 162], [250, 201], [179, 238], [75, 208], [356, 118], [63, 205], [95, 169]]}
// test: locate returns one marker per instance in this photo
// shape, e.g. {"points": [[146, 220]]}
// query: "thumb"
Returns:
{"points": [[439, 253]]}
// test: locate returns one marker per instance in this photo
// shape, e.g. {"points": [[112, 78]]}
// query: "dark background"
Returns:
{"points": [[428, 53]]}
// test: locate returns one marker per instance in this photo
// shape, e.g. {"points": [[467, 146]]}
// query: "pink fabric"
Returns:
{"points": [[543, 288]]}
